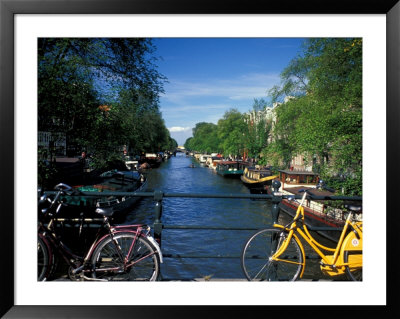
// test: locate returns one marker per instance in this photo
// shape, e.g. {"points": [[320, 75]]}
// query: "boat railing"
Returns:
{"points": [[322, 208]]}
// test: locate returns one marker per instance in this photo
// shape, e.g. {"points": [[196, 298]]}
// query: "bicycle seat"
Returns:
{"points": [[107, 211], [354, 208]]}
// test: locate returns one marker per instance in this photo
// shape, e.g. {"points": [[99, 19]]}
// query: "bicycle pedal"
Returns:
{"points": [[73, 275]]}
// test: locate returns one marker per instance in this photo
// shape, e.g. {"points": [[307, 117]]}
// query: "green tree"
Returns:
{"points": [[232, 133], [205, 138], [189, 144], [67, 101], [258, 128], [324, 121], [103, 93], [172, 144]]}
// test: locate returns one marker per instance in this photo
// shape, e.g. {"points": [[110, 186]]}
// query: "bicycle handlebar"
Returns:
{"points": [[66, 189], [62, 187]]}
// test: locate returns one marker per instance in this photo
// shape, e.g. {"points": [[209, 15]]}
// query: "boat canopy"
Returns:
{"points": [[298, 177]]}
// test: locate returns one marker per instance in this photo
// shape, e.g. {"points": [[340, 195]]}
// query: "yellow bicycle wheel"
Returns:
{"points": [[352, 253], [257, 263], [353, 272]]}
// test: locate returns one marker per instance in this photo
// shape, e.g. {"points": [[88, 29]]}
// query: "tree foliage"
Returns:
{"points": [[234, 134], [231, 133], [319, 116], [205, 138], [324, 121], [103, 93], [258, 129], [226, 137]]}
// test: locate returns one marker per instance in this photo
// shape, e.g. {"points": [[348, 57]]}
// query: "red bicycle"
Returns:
{"points": [[125, 252]]}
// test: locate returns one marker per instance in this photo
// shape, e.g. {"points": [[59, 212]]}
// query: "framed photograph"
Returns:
{"points": [[24, 22]]}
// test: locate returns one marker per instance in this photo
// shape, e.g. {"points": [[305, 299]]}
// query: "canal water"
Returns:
{"points": [[177, 176]]}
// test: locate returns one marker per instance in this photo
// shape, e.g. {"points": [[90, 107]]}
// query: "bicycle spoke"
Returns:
{"points": [[139, 259], [259, 263]]}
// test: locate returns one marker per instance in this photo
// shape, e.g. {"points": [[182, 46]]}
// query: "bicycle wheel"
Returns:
{"points": [[143, 262], [353, 273], [44, 260], [257, 264]]}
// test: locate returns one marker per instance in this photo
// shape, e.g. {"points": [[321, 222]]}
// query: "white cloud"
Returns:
{"points": [[177, 109], [190, 101], [176, 129], [247, 86], [180, 134]]}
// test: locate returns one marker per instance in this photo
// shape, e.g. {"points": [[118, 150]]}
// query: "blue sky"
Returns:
{"points": [[209, 76]]}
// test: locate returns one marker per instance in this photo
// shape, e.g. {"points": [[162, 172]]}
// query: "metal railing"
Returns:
{"points": [[159, 195]]}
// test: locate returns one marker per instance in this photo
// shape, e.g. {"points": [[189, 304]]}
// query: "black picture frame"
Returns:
{"points": [[9, 8]]}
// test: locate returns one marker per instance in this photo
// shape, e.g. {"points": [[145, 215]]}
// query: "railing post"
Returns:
{"points": [[275, 201], [158, 197]]}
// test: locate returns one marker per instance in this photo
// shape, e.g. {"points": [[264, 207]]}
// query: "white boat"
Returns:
{"points": [[131, 163], [213, 161], [203, 158]]}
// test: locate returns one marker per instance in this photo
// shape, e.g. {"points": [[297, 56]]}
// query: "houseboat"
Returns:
{"points": [[257, 180], [317, 213], [231, 168], [203, 158], [213, 161], [131, 163], [108, 182], [152, 159]]}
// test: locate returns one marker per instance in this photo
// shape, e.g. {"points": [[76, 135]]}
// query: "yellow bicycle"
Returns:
{"points": [[277, 254]]}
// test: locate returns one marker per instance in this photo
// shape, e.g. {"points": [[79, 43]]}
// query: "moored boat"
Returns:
{"points": [[257, 180], [231, 168], [213, 160], [152, 159], [317, 212], [111, 181], [203, 158], [167, 155], [131, 163]]}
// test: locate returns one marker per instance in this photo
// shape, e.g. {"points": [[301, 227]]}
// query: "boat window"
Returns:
{"points": [[303, 179]]}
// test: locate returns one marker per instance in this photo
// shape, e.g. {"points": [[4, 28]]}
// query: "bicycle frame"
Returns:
{"points": [[138, 231], [78, 263], [331, 265], [49, 234]]}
